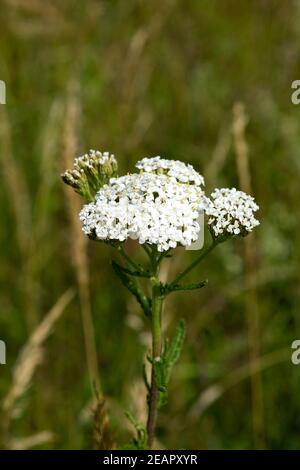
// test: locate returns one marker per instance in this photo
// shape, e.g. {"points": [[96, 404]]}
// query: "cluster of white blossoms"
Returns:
{"points": [[180, 171], [159, 206], [231, 212], [150, 208]]}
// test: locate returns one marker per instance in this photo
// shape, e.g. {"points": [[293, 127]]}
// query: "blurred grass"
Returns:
{"points": [[156, 77]]}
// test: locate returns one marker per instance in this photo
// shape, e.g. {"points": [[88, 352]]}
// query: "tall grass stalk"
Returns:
{"points": [[78, 242], [240, 121], [27, 362]]}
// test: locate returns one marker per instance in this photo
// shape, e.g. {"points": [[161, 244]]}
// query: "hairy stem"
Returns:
{"points": [[157, 301]]}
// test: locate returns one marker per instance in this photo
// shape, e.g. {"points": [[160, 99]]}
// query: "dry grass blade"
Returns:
{"points": [[15, 184], [79, 249], [218, 158], [138, 397], [40, 248], [50, 146], [37, 7], [216, 391], [25, 443], [102, 435], [240, 121], [136, 74], [28, 18], [31, 355]]}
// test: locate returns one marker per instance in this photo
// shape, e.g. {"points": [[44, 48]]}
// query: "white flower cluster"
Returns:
{"points": [[174, 168], [231, 211], [158, 206], [150, 208]]}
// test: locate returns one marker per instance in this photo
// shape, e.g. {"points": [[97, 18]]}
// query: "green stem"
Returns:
{"points": [[147, 250], [127, 258], [156, 330], [196, 261]]}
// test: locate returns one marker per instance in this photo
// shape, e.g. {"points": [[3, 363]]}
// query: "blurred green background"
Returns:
{"points": [[140, 79]]}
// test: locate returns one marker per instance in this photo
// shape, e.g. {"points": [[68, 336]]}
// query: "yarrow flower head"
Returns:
{"points": [[151, 208], [90, 172], [231, 212], [158, 206], [184, 173]]}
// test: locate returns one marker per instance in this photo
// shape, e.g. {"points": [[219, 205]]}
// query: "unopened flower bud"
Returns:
{"points": [[91, 172]]}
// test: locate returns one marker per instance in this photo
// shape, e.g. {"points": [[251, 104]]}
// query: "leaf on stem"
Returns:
{"points": [[133, 287], [138, 273], [169, 288], [140, 441], [164, 364]]}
